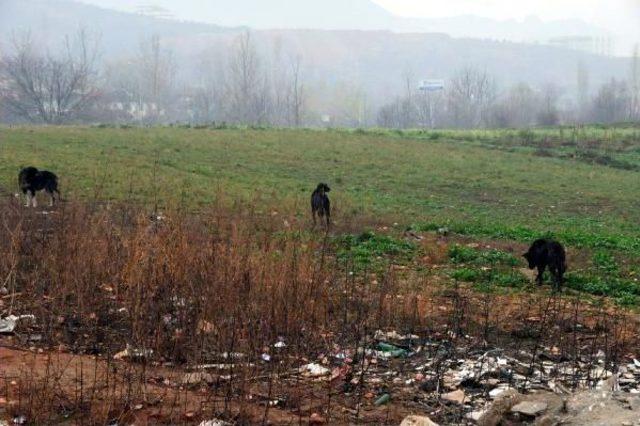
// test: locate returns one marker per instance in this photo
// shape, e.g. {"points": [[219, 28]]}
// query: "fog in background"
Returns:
{"points": [[357, 63]]}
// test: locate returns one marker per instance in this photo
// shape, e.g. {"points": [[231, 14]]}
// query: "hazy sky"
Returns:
{"points": [[609, 14], [621, 18]]}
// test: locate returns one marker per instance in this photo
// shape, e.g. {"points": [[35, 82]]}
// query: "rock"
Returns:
{"points": [[593, 408], [495, 393], [456, 397], [417, 421], [317, 419], [531, 409], [497, 411], [475, 416]]}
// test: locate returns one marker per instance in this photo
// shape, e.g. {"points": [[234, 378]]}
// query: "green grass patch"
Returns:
{"points": [[463, 254], [481, 183], [370, 249], [568, 236]]}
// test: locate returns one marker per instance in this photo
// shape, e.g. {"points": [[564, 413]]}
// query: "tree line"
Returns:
{"points": [[239, 85]]}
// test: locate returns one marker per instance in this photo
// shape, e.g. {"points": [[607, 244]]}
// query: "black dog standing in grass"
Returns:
{"points": [[320, 204], [549, 253], [32, 180]]}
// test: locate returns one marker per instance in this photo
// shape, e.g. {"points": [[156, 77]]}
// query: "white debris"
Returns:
{"points": [[220, 366], [394, 335], [497, 392], [8, 324], [214, 422], [531, 409], [232, 355], [314, 370], [475, 416], [131, 353], [19, 420]]}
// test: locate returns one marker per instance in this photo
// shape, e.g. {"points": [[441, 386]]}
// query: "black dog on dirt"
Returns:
{"points": [[320, 204], [548, 253], [32, 180]]}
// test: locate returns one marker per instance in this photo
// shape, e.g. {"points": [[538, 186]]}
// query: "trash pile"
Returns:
{"points": [[425, 375], [436, 380]]}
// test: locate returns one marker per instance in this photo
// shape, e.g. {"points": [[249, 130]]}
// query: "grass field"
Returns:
{"points": [[580, 185], [216, 306]]}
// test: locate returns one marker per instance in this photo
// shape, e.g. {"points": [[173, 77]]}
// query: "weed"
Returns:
{"points": [[463, 254], [368, 248], [466, 274]]}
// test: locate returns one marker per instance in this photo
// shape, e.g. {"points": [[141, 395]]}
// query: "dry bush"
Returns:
{"points": [[199, 288]]}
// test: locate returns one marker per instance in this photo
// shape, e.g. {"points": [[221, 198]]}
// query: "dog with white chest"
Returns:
{"points": [[31, 180]]}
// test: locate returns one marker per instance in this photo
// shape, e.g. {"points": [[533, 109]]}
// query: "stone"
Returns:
{"points": [[497, 392], [456, 397], [317, 419], [531, 409], [418, 421], [475, 416]]}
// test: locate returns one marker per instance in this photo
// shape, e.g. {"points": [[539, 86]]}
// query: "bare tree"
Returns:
{"points": [[612, 103], [583, 90], [297, 95], [208, 100], [156, 72], [470, 95], [635, 83], [549, 114], [47, 87], [246, 83], [279, 81]]}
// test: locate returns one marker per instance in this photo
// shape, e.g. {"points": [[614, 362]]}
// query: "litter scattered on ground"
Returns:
{"points": [[197, 378], [20, 420], [133, 354], [384, 399], [9, 324], [418, 421], [314, 370], [214, 422], [485, 385]]}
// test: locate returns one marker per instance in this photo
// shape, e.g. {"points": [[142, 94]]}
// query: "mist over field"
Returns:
{"points": [[330, 63]]}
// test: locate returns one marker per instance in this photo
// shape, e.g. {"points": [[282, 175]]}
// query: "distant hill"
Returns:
{"points": [[351, 15], [49, 20], [374, 61]]}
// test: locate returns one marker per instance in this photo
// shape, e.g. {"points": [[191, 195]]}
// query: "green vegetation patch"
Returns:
{"points": [[488, 269], [463, 254], [370, 249]]}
